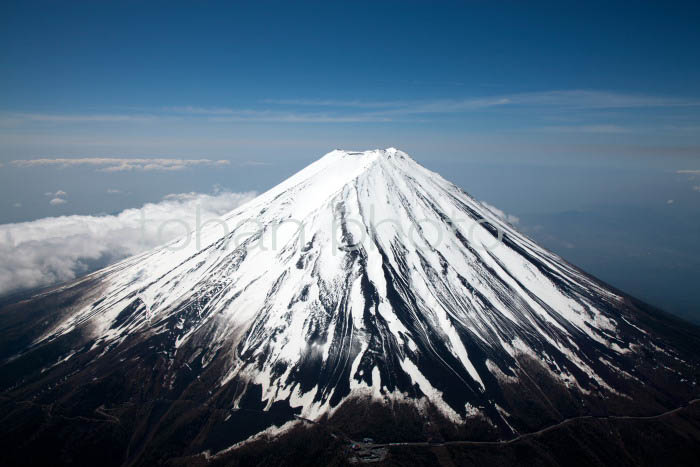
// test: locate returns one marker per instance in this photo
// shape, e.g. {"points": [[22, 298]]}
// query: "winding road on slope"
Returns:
{"points": [[337, 433], [543, 430]]}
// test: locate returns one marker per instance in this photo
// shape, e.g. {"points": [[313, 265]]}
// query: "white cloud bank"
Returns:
{"points": [[56, 249], [511, 219], [121, 164], [57, 198]]}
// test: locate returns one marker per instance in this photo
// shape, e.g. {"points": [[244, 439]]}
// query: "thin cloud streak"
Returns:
{"points": [[610, 129], [277, 117], [390, 111], [78, 118], [222, 114], [115, 164], [213, 115], [336, 103], [573, 99], [337, 111], [567, 99]]}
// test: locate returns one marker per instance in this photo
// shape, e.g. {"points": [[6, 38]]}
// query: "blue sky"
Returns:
{"points": [[580, 118], [480, 67]]}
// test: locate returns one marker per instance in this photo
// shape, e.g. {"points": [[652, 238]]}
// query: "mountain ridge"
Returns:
{"points": [[363, 277]]}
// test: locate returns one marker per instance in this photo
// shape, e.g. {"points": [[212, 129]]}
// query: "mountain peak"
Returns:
{"points": [[362, 275], [372, 153], [364, 280]]}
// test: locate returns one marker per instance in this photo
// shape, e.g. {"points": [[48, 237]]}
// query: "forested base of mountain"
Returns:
{"points": [[38, 436], [99, 422], [672, 440]]}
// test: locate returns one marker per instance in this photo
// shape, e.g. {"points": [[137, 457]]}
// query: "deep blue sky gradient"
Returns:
{"points": [[90, 55]]}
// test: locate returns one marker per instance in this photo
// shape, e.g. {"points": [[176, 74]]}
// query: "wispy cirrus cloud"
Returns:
{"points": [[251, 163], [598, 100], [611, 129], [189, 113], [195, 110], [17, 118], [355, 110], [336, 103], [297, 117], [270, 115], [539, 103], [303, 110], [573, 99], [116, 164]]}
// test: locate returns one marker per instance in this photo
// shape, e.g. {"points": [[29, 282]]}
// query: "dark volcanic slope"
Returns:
{"points": [[366, 293]]}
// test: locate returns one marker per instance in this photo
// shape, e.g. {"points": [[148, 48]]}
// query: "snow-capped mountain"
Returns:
{"points": [[363, 277]]}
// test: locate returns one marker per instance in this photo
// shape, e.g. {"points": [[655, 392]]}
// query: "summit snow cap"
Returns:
{"points": [[364, 274], [387, 153]]}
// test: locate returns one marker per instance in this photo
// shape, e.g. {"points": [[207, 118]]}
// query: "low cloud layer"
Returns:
{"points": [[57, 201], [56, 249], [57, 198], [511, 219], [119, 164]]}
